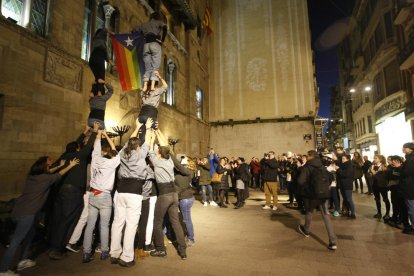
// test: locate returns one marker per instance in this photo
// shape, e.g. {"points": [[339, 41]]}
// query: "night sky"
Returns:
{"points": [[327, 19]]}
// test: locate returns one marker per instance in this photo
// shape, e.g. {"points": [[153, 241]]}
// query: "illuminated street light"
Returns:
{"points": [[352, 90], [367, 88]]}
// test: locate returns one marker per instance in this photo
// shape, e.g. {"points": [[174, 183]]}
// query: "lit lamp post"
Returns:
{"points": [[121, 130]]}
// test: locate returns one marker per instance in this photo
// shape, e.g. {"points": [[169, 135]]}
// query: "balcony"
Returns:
{"points": [[403, 9]]}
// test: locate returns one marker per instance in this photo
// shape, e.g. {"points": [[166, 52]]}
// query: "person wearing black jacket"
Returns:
{"points": [[223, 186], [368, 177], [270, 171], [311, 176], [380, 189], [182, 181], [242, 181], [407, 183], [69, 200], [346, 176]]}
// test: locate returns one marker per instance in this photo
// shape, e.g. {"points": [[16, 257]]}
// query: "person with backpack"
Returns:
{"points": [[314, 178]]}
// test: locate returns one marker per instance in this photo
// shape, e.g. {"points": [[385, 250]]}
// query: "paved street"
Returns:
{"points": [[251, 241]]}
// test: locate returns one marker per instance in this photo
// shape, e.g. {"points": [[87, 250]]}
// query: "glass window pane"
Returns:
{"points": [[86, 30], [38, 16], [199, 103], [12, 9]]}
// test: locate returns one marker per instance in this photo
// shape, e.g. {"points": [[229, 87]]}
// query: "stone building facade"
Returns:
{"points": [[45, 80], [262, 92]]}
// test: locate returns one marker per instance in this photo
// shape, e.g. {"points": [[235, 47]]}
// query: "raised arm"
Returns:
{"points": [[135, 132], [72, 163], [109, 92], [163, 82], [148, 126], [54, 169], [161, 138], [88, 147], [97, 148], [110, 142]]}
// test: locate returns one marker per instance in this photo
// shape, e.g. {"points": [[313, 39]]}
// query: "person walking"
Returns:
{"points": [[314, 178]]}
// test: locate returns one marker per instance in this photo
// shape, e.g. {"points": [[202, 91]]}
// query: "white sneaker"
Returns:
{"points": [[274, 208], [266, 207], [212, 203], [8, 273], [26, 263], [205, 204]]}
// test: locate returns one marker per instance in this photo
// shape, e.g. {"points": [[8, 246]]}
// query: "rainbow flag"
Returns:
{"points": [[128, 57]]}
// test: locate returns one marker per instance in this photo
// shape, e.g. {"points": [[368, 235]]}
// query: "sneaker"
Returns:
{"points": [[205, 204], [190, 243], [126, 264], [8, 273], [114, 260], [105, 255], [302, 230], [26, 263], [212, 203], [223, 206], [159, 253], [87, 257], [73, 247], [378, 216], [332, 246], [98, 249], [274, 208], [266, 207], [336, 214], [149, 247], [183, 257], [408, 231], [386, 218]]}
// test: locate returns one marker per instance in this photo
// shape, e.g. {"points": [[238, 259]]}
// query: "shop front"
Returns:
{"points": [[391, 126]]}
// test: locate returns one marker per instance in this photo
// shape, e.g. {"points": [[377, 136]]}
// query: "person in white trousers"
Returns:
{"points": [[131, 177]]}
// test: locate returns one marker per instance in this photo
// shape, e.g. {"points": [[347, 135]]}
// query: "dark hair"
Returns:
{"points": [[156, 16], [94, 89], [39, 166], [396, 158], [72, 146], [313, 154], [133, 144], [347, 156], [242, 159], [164, 151], [109, 151]]}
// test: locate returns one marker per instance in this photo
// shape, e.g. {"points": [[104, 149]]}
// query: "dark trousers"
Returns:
{"points": [[168, 203], [334, 197], [256, 178], [68, 208], [348, 201], [23, 235], [97, 65], [378, 193], [368, 180], [142, 225], [399, 208], [360, 184], [290, 189]]}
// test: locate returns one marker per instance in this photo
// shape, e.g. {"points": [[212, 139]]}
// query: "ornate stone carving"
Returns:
{"points": [[63, 72]]}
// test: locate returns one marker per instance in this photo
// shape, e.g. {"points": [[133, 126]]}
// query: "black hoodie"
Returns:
{"points": [[314, 184]]}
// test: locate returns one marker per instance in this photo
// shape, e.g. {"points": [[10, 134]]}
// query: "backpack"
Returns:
{"points": [[320, 183]]}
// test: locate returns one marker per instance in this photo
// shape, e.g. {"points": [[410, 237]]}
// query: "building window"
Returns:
{"points": [[363, 126], [87, 27], [392, 77], [379, 92], [379, 36], [370, 125], [170, 71], [388, 22], [199, 103], [27, 13]]}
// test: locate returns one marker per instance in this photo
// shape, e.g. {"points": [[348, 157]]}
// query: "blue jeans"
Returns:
{"points": [[98, 205], [185, 209], [210, 192], [410, 207], [334, 197], [349, 203], [23, 234], [152, 59], [101, 123]]}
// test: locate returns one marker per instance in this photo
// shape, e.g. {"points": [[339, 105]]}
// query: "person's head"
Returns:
{"points": [[312, 154], [408, 148], [156, 16], [365, 158], [223, 161], [339, 150], [346, 158], [211, 151], [357, 155], [39, 166], [396, 160], [271, 154], [240, 160], [107, 151], [133, 144], [164, 152], [380, 160], [73, 147], [304, 158], [389, 160]]}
